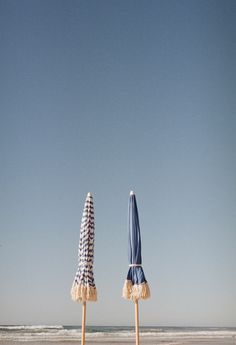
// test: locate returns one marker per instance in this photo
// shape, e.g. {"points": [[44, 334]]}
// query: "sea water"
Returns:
{"points": [[45, 333]]}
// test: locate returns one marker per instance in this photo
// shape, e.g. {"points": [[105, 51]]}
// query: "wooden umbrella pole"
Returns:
{"points": [[83, 323], [137, 322]]}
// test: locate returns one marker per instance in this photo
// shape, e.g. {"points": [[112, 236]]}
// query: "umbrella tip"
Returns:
{"points": [[89, 194], [131, 193]]}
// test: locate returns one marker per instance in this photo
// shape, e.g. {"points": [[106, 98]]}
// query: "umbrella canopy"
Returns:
{"points": [[136, 286], [83, 288]]}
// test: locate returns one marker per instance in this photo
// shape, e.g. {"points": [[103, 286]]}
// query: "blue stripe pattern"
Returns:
{"points": [[84, 275]]}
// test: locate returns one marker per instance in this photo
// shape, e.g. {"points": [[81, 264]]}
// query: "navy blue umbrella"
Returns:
{"points": [[136, 286]]}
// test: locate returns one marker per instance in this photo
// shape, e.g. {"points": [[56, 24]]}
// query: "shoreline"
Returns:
{"points": [[156, 341], [107, 335]]}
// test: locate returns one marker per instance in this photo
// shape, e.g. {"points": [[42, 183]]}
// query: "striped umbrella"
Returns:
{"points": [[83, 288], [136, 286]]}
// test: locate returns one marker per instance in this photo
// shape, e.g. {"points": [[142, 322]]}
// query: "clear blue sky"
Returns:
{"points": [[107, 96]]}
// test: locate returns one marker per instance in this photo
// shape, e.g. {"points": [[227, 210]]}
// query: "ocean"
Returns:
{"points": [[10, 334]]}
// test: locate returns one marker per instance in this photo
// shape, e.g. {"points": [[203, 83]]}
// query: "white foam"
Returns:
{"points": [[37, 327]]}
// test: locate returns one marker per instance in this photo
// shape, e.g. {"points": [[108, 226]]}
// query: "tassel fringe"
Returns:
{"points": [[135, 292], [82, 293]]}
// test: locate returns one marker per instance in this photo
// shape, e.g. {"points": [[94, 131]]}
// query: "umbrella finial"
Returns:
{"points": [[89, 194], [131, 193]]}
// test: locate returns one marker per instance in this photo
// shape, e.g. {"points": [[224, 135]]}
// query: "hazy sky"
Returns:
{"points": [[107, 96]]}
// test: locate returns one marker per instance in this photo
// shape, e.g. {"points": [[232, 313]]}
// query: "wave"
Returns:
{"points": [[69, 333], [38, 327]]}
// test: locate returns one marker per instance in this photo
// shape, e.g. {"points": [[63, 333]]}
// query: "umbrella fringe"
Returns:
{"points": [[135, 291], [82, 293]]}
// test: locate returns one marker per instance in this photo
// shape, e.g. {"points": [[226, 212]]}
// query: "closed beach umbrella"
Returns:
{"points": [[83, 288], [136, 286]]}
